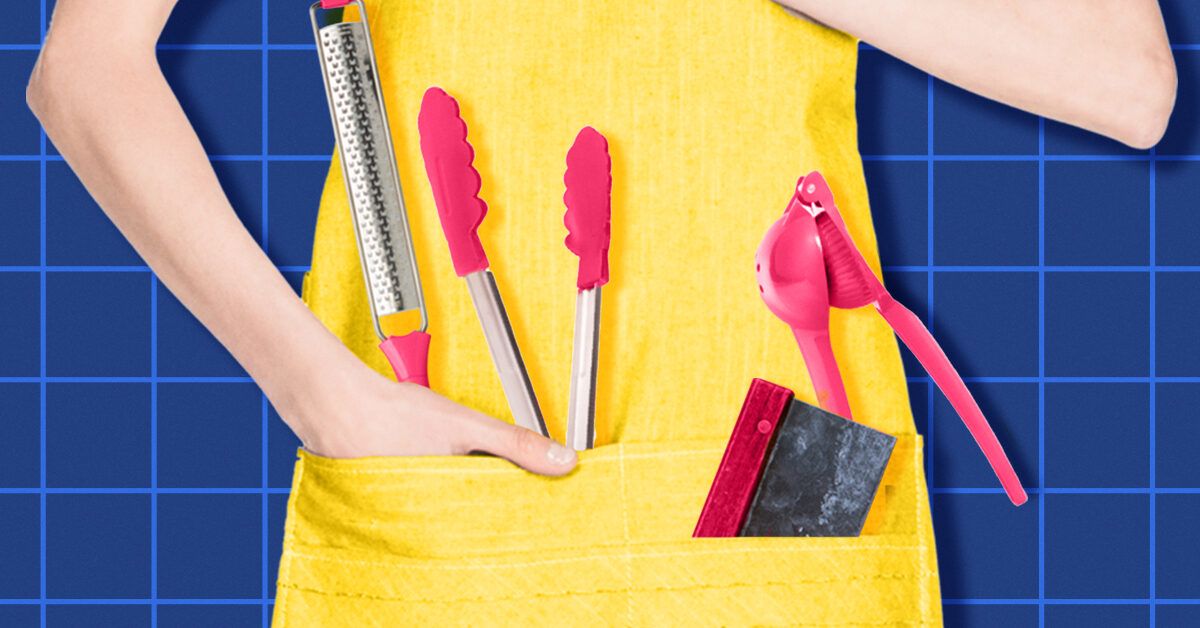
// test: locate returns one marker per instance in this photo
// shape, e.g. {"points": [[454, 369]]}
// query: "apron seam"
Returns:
{"points": [[897, 576], [423, 563]]}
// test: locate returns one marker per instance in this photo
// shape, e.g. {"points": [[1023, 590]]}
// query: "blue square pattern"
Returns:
{"points": [[19, 546], [20, 407], [1181, 616], [1097, 546], [1178, 344], [223, 615], [892, 106], [282, 444], [210, 546], [1097, 435], [1012, 411], [107, 615], [900, 210], [1062, 139], [20, 326], [1097, 324], [97, 324], [277, 514], [209, 435], [1178, 557], [96, 546], [98, 435], [20, 233], [289, 22], [213, 22], [989, 615], [298, 113], [21, 27], [292, 211], [1183, 131], [985, 214], [185, 347], [220, 90], [1177, 213], [1183, 20], [967, 124], [1177, 407], [986, 530], [1095, 213], [1107, 615], [242, 184], [20, 615], [78, 233], [19, 133], [912, 289], [987, 322]]}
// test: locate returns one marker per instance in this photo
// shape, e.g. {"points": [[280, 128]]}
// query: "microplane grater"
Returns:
{"points": [[368, 160], [369, 167]]}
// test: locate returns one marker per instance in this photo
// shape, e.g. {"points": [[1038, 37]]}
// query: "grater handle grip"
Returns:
{"points": [[409, 357], [334, 4]]}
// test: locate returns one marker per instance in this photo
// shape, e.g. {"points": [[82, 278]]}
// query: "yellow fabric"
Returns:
{"points": [[712, 110]]}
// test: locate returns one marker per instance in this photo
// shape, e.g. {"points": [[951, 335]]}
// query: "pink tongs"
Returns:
{"points": [[790, 277]]}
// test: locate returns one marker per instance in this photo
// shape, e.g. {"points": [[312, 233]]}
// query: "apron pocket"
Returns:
{"points": [[473, 540]]}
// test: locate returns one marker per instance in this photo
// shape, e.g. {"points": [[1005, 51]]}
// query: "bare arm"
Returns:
{"points": [[1104, 65], [101, 97]]}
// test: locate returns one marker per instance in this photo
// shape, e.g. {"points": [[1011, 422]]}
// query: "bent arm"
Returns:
{"points": [[1103, 65], [102, 99]]}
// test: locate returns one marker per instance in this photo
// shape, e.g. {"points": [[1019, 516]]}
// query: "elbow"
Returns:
{"points": [[47, 94], [1145, 110]]}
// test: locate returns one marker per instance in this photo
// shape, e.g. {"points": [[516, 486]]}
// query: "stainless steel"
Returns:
{"points": [[503, 346], [369, 165], [581, 409]]}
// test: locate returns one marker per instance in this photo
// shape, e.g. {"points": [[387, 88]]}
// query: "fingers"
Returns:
{"points": [[524, 448]]}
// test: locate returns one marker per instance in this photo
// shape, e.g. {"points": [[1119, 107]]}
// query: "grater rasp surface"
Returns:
{"points": [[369, 166]]}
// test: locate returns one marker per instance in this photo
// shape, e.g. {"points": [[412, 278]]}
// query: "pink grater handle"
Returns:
{"points": [[824, 372], [929, 353], [409, 357], [334, 4]]}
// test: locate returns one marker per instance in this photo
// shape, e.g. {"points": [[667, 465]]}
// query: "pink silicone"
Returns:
{"points": [[449, 164], [334, 4], [589, 206], [791, 279], [409, 357], [861, 286]]}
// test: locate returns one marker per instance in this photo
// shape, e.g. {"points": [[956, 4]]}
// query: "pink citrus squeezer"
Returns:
{"points": [[807, 263]]}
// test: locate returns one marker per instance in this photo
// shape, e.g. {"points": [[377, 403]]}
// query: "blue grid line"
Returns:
{"points": [[154, 449], [265, 588], [112, 269], [16, 157], [1067, 601], [1153, 386], [137, 490], [42, 348], [128, 380], [930, 406], [904, 268], [1041, 393]]}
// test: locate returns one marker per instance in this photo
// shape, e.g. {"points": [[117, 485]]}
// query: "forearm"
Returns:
{"points": [[115, 120], [1104, 65]]}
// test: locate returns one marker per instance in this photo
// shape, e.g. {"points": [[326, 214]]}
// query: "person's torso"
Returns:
{"points": [[712, 112]]}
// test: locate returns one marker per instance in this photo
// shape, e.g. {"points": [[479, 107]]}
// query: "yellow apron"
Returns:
{"points": [[712, 110]]}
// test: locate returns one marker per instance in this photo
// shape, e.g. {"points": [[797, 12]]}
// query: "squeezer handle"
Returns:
{"points": [[409, 357]]}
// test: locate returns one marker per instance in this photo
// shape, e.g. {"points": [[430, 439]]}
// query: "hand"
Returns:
{"points": [[362, 413]]}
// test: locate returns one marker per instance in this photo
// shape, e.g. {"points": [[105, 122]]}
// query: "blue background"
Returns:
{"points": [[1059, 270]]}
